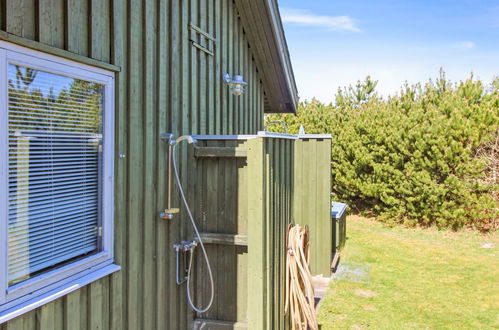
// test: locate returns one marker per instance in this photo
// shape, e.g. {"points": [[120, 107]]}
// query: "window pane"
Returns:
{"points": [[55, 138]]}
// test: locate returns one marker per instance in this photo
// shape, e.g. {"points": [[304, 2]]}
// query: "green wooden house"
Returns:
{"points": [[88, 87]]}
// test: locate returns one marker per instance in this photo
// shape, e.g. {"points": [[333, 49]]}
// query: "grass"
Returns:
{"points": [[419, 279]]}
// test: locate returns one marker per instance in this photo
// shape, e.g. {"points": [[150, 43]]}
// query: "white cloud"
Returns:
{"points": [[464, 45], [301, 17]]}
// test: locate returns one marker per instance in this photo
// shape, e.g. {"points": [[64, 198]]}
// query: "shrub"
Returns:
{"points": [[411, 159]]}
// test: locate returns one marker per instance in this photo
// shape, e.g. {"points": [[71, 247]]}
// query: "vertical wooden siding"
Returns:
{"points": [[312, 199], [270, 197], [246, 198], [165, 85], [219, 199]]}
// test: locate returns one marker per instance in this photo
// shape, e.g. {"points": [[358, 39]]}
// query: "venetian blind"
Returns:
{"points": [[55, 136]]}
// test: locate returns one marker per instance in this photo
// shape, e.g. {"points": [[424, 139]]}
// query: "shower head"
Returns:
{"points": [[189, 139]]}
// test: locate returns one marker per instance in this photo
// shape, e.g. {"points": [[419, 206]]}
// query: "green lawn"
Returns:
{"points": [[419, 279]]}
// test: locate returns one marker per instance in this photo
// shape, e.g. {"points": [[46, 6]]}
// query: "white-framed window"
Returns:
{"points": [[56, 174]]}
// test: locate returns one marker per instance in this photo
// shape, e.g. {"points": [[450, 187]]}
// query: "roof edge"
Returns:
{"points": [[282, 47], [263, 25]]}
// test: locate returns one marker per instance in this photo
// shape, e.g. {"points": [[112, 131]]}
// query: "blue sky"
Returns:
{"points": [[335, 43]]}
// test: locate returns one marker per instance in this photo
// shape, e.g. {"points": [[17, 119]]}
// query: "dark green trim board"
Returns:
{"points": [[56, 51]]}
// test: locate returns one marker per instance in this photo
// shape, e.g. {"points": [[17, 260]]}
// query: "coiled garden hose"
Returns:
{"points": [[299, 289]]}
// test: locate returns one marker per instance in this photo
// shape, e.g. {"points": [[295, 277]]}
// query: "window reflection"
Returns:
{"points": [[55, 135]]}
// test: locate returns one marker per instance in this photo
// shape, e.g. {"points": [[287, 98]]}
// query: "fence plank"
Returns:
{"points": [[219, 152], [72, 310], [256, 231], [45, 317]]}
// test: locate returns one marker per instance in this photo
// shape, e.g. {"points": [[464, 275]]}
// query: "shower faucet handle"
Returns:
{"points": [[167, 214]]}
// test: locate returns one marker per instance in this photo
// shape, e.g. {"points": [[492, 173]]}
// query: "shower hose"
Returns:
{"points": [[299, 289], [189, 297]]}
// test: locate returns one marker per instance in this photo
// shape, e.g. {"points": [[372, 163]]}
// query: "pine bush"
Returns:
{"points": [[411, 159]]}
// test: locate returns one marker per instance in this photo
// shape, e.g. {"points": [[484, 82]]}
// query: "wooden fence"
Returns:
{"points": [[242, 192], [312, 198]]}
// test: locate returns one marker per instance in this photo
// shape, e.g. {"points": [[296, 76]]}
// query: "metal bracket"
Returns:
{"points": [[199, 37]]}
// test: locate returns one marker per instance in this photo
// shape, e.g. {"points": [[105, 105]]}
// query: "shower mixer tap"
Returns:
{"points": [[185, 246]]}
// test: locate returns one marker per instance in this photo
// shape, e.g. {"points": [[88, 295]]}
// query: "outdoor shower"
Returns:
{"points": [[185, 246]]}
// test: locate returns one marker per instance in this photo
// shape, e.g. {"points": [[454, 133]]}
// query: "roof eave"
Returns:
{"points": [[263, 26]]}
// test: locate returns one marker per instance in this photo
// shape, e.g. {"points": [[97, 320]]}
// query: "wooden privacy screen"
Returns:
{"points": [[241, 191], [312, 199]]}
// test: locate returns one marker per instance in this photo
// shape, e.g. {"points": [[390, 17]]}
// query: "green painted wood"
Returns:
{"points": [[162, 249], [106, 302], [210, 66], [200, 216], [135, 202], [15, 324], [58, 313], [150, 139], [230, 64], [247, 97], [100, 30], [45, 317], [51, 22], [256, 230], [117, 294], [15, 11], [217, 82], [30, 18], [251, 90], [56, 51], [213, 204], [222, 50], [77, 30], [29, 320], [312, 204], [2, 18], [22, 18], [267, 238], [174, 103], [224, 239], [268, 184], [194, 67], [95, 305], [72, 310], [204, 59], [160, 87], [202, 32], [231, 227], [186, 126], [219, 325], [235, 69], [324, 196], [220, 152], [84, 310], [241, 229]]}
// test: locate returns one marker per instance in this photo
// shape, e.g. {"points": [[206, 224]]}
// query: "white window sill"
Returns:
{"points": [[52, 295]]}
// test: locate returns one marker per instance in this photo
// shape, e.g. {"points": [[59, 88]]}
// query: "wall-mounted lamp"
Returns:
{"points": [[236, 84]]}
